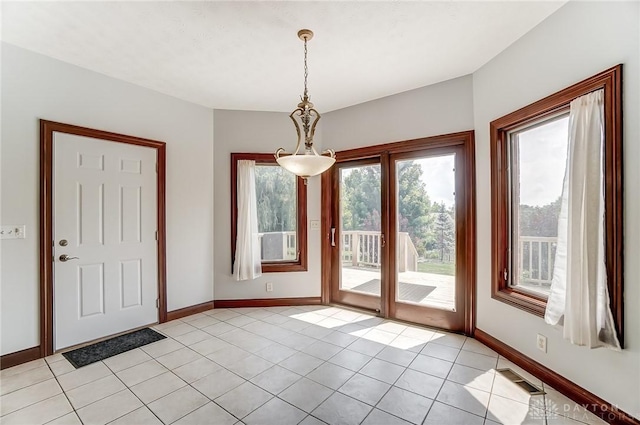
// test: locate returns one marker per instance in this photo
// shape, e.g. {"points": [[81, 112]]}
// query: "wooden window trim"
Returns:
{"points": [[281, 266], [611, 81]]}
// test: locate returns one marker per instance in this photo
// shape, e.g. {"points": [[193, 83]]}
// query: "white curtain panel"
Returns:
{"points": [[248, 264], [579, 290]]}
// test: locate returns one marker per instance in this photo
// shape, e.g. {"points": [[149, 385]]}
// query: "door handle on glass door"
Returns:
{"points": [[333, 236], [65, 257]]}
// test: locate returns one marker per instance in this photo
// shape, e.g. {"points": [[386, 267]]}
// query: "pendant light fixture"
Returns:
{"points": [[308, 163]]}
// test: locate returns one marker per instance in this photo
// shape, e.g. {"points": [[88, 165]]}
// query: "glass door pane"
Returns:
{"points": [[358, 235], [428, 282], [426, 232]]}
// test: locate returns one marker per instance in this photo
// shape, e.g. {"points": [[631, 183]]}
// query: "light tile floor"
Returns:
{"points": [[281, 365]]}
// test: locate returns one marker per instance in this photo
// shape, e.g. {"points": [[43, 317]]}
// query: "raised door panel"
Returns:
{"points": [[105, 202]]}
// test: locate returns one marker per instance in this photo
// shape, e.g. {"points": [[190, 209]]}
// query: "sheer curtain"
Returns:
{"points": [[248, 264], [579, 290]]}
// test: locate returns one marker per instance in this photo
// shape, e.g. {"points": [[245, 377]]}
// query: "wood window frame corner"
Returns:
{"points": [[301, 264], [611, 81]]}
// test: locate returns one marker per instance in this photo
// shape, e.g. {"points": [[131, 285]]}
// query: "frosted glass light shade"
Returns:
{"points": [[306, 165]]}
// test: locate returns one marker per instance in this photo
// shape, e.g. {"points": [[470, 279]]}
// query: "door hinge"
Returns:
{"points": [[157, 302], [505, 275], [156, 167], [156, 233]]}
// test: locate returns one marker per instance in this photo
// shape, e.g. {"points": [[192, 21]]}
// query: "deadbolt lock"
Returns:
{"points": [[63, 242]]}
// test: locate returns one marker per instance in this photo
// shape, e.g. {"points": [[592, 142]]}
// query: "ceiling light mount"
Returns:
{"points": [[308, 163], [305, 35]]}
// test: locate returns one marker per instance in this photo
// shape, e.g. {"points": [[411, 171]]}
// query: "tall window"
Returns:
{"points": [[537, 157], [281, 209], [528, 163], [276, 194]]}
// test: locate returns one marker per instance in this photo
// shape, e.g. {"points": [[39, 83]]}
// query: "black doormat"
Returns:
{"points": [[104, 349]]}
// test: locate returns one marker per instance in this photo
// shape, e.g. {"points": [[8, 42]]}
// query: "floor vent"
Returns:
{"points": [[520, 381]]}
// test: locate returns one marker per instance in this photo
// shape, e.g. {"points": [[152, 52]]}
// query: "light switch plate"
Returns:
{"points": [[12, 231], [314, 224]]}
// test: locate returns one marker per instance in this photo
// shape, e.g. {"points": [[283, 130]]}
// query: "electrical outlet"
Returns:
{"points": [[314, 224], [269, 287], [541, 343]]}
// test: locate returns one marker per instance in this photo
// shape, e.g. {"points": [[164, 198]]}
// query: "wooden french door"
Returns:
{"points": [[428, 280], [400, 231], [357, 235]]}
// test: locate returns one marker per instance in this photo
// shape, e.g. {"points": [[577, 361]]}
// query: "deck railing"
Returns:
{"points": [[407, 254], [536, 259], [363, 249]]}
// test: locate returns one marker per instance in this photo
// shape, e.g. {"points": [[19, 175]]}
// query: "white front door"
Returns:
{"points": [[105, 222]]}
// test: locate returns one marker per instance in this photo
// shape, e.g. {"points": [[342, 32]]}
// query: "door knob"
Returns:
{"points": [[65, 257]]}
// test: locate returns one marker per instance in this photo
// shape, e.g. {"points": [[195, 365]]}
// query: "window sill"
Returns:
{"points": [[522, 300], [283, 267]]}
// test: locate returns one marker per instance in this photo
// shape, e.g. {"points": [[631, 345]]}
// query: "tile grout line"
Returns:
{"points": [[434, 399], [374, 357], [63, 392], [154, 358], [444, 380], [449, 373], [225, 368], [323, 362], [301, 332], [493, 381], [114, 373], [188, 384], [30, 385], [134, 394], [301, 376], [385, 394]]}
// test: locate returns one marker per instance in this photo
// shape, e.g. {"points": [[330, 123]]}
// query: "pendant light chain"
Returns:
{"points": [[306, 69]]}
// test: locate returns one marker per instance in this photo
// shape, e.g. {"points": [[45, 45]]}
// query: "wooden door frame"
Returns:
{"points": [[47, 128], [467, 142], [364, 301], [407, 311]]}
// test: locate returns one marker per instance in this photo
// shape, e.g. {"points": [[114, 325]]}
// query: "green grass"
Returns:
{"points": [[437, 268]]}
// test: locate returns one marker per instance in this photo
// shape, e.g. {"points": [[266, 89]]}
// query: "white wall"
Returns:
{"points": [[259, 132], [441, 108], [580, 40], [34, 87], [438, 109]]}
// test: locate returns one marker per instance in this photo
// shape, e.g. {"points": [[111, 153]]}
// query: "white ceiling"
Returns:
{"points": [[246, 55]]}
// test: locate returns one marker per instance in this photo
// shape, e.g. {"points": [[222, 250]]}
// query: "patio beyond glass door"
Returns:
{"points": [[357, 235], [401, 231], [425, 218]]}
